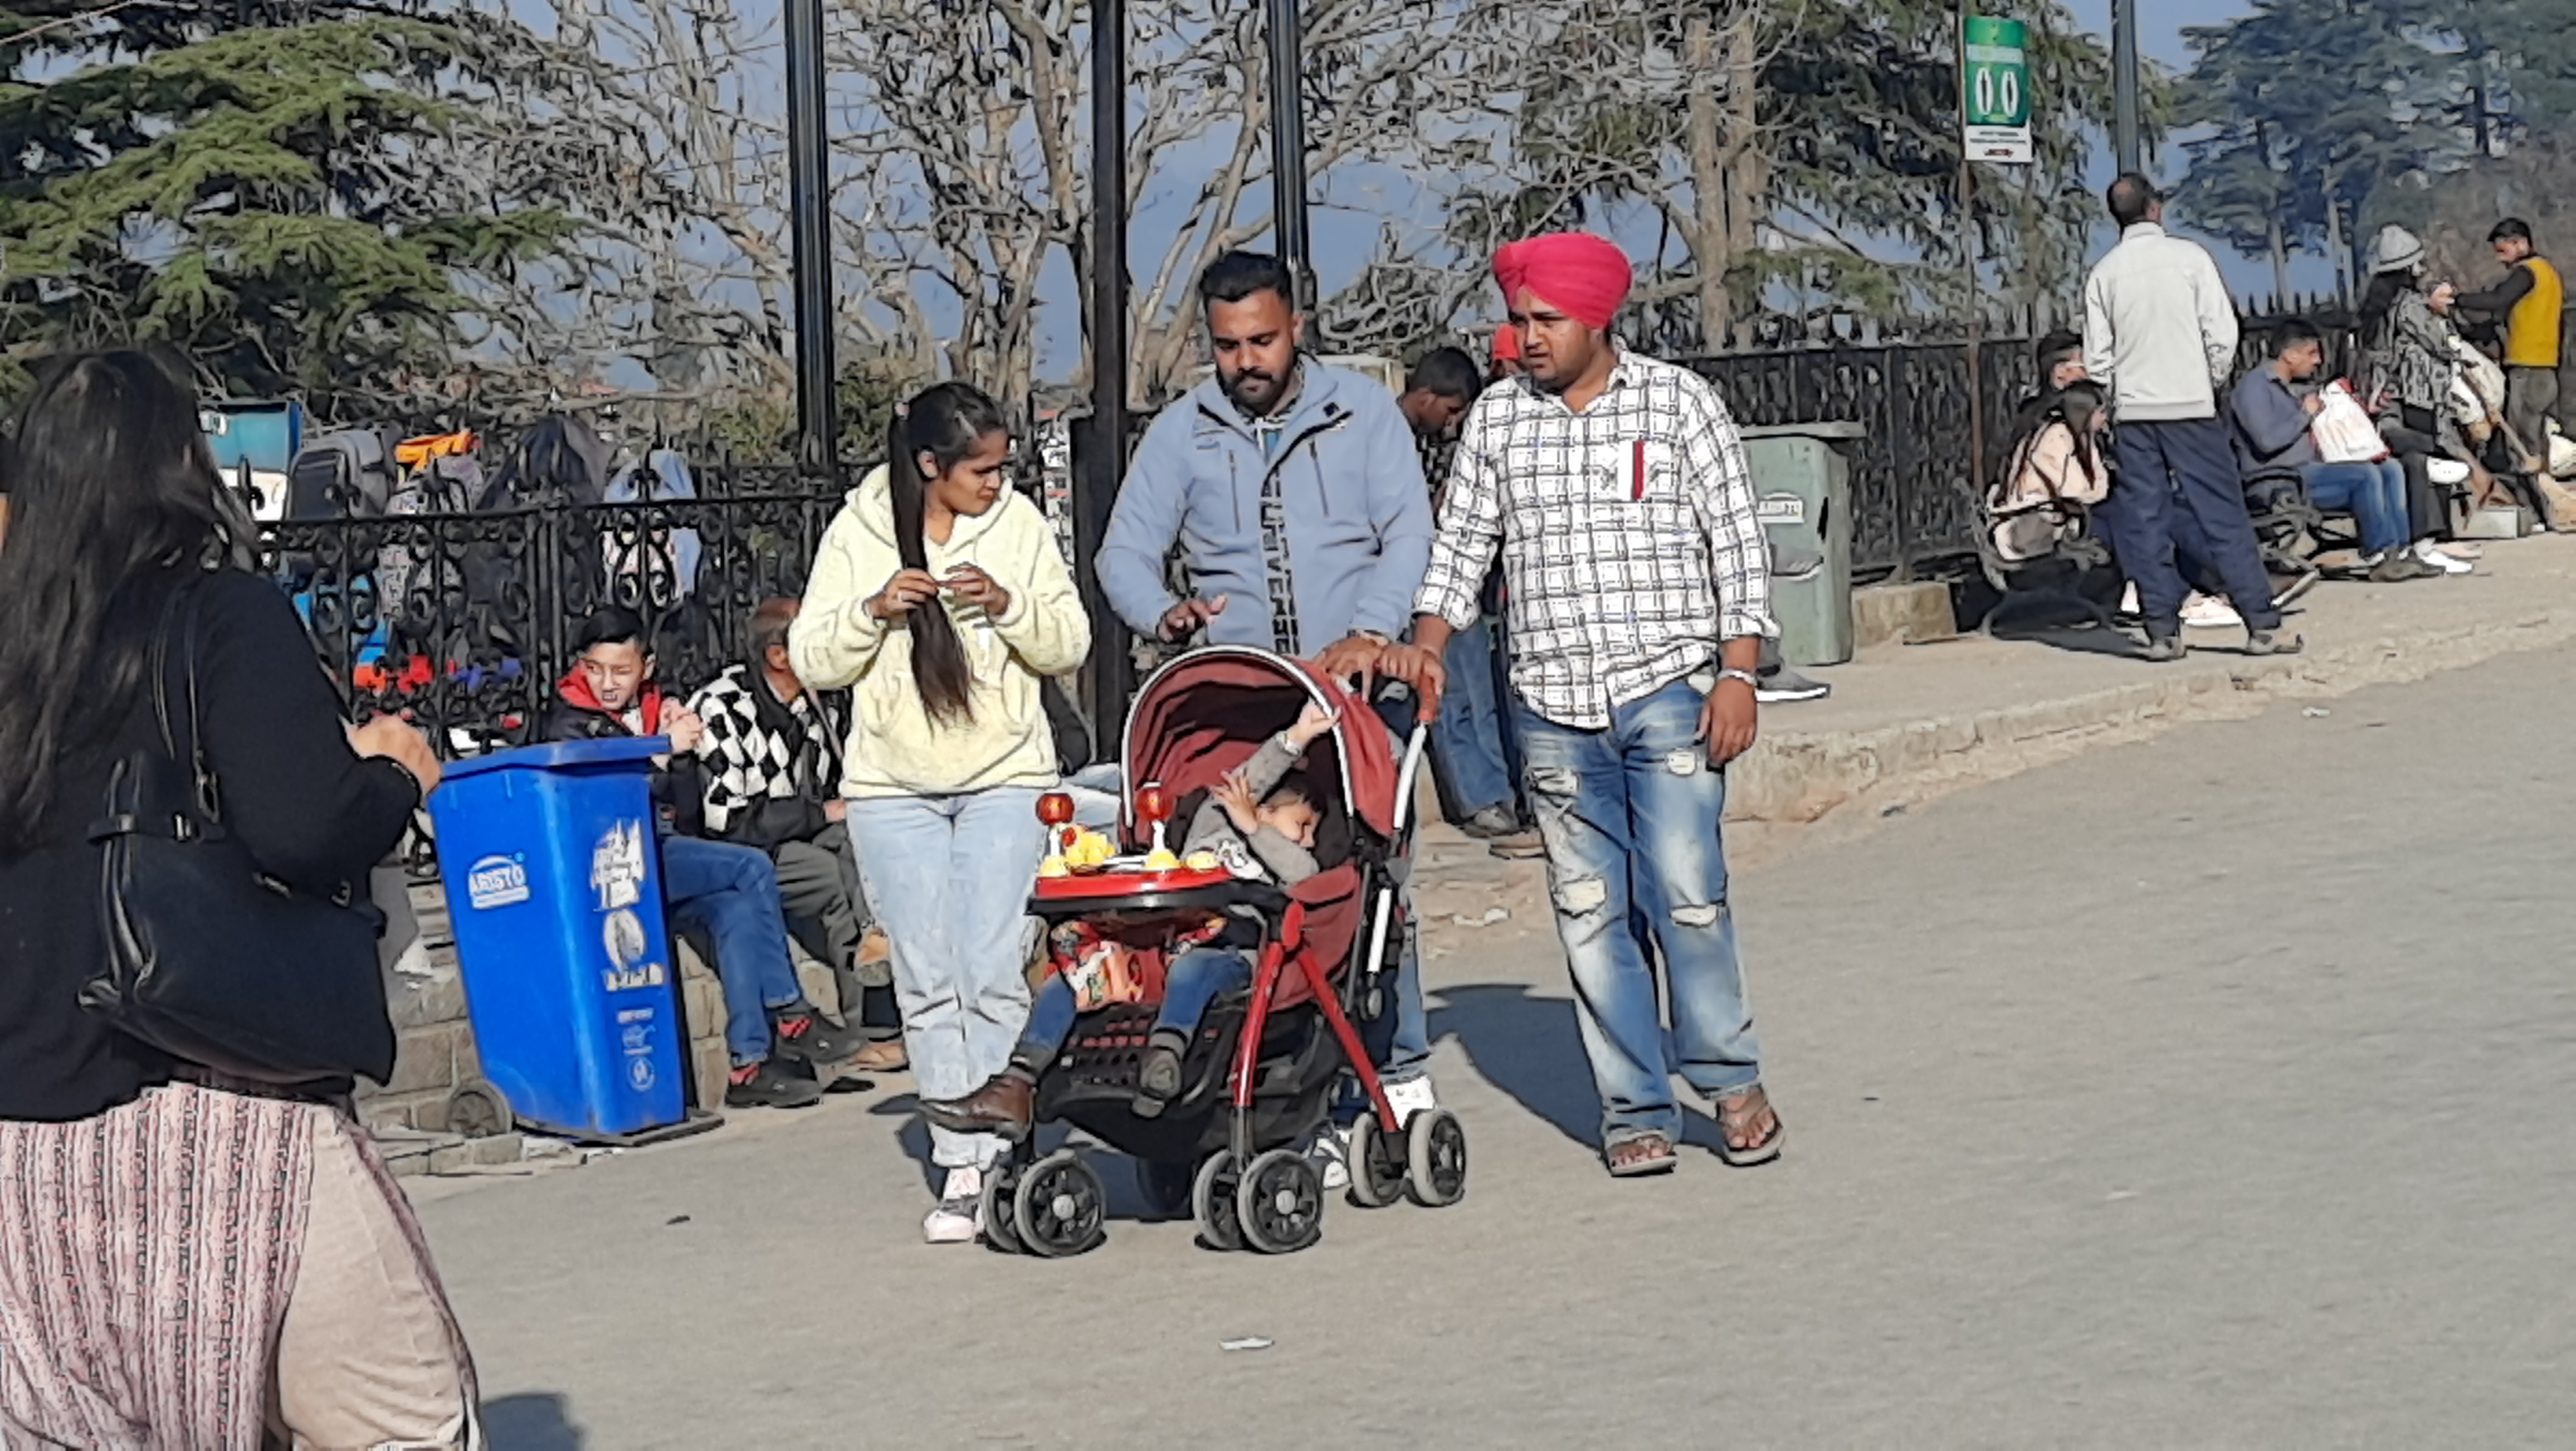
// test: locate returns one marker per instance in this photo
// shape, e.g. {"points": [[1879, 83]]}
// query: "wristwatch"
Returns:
{"points": [[1747, 676], [1376, 636]]}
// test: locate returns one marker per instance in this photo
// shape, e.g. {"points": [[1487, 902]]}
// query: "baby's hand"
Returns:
{"points": [[1313, 721], [1236, 797]]}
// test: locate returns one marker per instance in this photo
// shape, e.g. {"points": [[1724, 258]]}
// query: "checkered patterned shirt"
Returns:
{"points": [[1629, 540]]}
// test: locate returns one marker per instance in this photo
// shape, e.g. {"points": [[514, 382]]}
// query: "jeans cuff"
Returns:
{"points": [[1729, 1091]]}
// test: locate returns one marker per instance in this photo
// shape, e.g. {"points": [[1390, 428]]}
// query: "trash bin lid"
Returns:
{"points": [[562, 755]]}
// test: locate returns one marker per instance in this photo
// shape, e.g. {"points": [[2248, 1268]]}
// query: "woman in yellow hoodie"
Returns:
{"points": [[941, 597]]}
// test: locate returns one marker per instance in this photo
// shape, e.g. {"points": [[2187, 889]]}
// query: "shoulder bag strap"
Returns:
{"points": [[179, 617]]}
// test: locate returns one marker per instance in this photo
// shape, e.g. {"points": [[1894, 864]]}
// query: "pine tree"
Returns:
{"points": [[296, 208], [2330, 117]]}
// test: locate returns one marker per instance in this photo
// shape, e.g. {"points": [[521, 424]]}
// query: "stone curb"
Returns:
{"points": [[1798, 777]]}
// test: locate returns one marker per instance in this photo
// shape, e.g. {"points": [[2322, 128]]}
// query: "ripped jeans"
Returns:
{"points": [[1630, 817]]}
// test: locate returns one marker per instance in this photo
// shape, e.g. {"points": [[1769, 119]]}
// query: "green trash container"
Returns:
{"points": [[1802, 480]]}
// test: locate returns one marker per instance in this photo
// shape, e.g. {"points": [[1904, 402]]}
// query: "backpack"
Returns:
{"points": [[349, 474]]}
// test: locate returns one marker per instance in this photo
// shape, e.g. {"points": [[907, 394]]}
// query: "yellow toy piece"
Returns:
{"points": [[1162, 860], [1201, 861]]}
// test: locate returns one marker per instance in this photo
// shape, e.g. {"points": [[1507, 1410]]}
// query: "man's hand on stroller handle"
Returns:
{"points": [[1421, 664]]}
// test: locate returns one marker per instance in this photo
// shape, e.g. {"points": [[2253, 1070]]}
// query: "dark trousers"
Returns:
{"points": [[2178, 490], [2530, 397]]}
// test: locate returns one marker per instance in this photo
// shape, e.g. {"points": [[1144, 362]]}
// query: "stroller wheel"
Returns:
{"points": [[1212, 1202], [1377, 1164], [1059, 1207], [1435, 1148], [1166, 1187], [1281, 1203], [1001, 1183]]}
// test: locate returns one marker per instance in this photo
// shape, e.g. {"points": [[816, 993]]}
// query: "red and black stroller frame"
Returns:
{"points": [[1261, 1072]]}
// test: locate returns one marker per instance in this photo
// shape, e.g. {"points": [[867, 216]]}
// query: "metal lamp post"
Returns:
{"points": [[2125, 134], [1287, 52], [1109, 675], [809, 202]]}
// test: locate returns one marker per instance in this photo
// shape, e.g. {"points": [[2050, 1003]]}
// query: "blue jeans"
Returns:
{"points": [[2375, 493], [1631, 818], [731, 894], [1467, 761], [1193, 982], [949, 877], [2179, 489]]}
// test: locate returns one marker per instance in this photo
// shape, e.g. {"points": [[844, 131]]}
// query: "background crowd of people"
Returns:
{"points": [[2215, 487]]}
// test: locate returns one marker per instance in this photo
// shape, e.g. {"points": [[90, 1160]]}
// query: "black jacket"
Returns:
{"points": [[679, 789], [307, 808]]}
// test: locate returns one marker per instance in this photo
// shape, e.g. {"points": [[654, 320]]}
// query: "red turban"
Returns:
{"points": [[1507, 344], [1584, 276]]}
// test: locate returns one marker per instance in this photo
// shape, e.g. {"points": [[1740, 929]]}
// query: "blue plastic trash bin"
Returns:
{"points": [[554, 885]]}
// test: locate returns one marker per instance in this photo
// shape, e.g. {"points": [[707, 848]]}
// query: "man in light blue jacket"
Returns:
{"points": [[1293, 490], [1295, 495]]}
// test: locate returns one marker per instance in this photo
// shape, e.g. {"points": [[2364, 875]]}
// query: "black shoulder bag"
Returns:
{"points": [[210, 959]]}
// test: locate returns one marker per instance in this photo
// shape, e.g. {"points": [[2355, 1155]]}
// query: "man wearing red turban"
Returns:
{"points": [[1614, 488]]}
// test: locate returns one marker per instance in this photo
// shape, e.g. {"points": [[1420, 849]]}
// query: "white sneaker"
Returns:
{"points": [[2209, 612], [1410, 1097], [1331, 1154], [954, 1219], [2443, 562]]}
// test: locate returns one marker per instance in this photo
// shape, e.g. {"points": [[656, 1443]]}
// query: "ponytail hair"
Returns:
{"points": [[946, 422]]}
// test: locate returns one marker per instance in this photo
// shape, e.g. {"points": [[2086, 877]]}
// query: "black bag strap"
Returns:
{"points": [[179, 619]]}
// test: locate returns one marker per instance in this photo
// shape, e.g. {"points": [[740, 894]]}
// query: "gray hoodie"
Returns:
{"points": [[1353, 509]]}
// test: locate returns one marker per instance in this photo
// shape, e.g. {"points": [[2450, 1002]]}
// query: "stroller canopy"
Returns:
{"points": [[1207, 713]]}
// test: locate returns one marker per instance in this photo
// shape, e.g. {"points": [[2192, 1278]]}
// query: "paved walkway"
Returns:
{"points": [[2206, 1090]]}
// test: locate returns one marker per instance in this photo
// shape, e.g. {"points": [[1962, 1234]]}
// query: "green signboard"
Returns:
{"points": [[1996, 102]]}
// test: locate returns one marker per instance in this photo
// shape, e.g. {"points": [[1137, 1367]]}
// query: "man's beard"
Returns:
{"points": [[1239, 387]]}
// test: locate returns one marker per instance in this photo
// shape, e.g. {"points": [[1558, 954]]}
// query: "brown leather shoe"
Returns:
{"points": [[884, 1056], [1004, 1105]]}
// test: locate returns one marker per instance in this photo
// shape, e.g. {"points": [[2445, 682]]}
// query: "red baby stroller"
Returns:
{"points": [[1259, 1076]]}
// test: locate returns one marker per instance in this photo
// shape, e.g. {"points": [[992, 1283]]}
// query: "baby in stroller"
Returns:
{"points": [[1259, 823]]}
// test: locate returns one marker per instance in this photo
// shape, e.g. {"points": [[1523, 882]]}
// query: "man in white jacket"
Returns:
{"points": [[2160, 335]]}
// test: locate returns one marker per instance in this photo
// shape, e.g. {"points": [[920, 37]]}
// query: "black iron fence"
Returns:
{"points": [[1914, 497], [463, 622]]}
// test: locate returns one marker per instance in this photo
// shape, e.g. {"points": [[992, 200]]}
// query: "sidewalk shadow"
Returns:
{"points": [[538, 1421], [1526, 1046], [1530, 1048]]}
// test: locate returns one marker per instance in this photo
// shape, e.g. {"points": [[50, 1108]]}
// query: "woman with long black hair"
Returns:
{"points": [[941, 596], [185, 1262]]}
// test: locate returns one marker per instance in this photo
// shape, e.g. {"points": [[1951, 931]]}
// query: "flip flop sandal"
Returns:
{"points": [[1740, 1120], [1644, 1164]]}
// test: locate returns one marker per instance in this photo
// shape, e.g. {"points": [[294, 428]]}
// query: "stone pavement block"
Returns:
{"points": [[425, 1109], [426, 1059], [1896, 614], [709, 1067]]}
